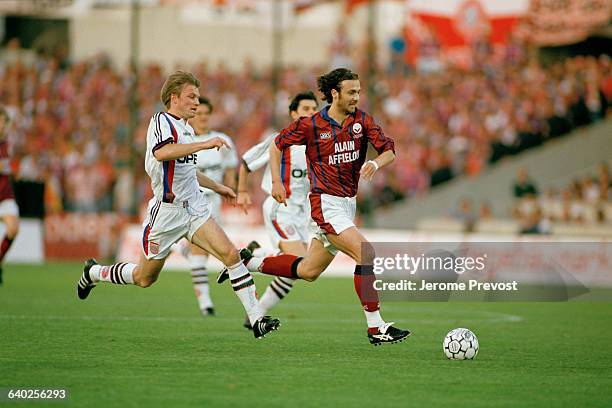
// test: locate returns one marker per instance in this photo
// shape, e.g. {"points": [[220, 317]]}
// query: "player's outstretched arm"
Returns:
{"points": [[371, 166], [173, 151], [244, 199], [278, 190], [224, 191]]}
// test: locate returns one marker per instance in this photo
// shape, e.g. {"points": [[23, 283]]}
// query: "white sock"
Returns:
{"points": [[254, 264], [94, 273], [120, 273], [278, 289], [244, 287], [199, 277], [374, 319]]}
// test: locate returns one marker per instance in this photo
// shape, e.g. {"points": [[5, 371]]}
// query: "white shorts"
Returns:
{"points": [[214, 201], [166, 224], [290, 223], [333, 215], [9, 207]]}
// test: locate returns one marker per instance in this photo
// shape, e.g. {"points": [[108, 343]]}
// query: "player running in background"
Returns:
{"points": [[287, 226], [220, 166], [9, 212], [178, 209], [336, 140]]}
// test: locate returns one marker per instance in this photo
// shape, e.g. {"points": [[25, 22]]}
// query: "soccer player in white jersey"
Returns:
{"points": [[178, 209], [287, 226], [220, 166]]}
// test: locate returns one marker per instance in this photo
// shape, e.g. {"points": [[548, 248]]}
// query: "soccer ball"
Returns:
{"points": [[460, 344]]}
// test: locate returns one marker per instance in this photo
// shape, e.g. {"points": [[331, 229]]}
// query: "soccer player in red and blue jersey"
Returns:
{"points": [[9, 212], [336, 140]]}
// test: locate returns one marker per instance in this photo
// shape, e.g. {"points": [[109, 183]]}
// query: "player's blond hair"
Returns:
{"points": [[174, 85]]}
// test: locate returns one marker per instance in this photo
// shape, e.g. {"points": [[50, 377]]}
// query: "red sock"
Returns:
{"points": [[4, 247], [281, 265], [364, 286]]}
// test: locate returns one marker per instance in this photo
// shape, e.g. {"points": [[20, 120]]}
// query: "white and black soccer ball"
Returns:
{"points": [[460, 344]]}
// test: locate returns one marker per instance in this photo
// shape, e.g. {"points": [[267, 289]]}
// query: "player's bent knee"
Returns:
{"points": [[145, 282], [309, 274], [12, 232], [12, 228], [231, 257]]}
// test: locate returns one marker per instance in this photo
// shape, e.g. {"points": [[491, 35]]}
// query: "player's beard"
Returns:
{"points": [[350, 109]]}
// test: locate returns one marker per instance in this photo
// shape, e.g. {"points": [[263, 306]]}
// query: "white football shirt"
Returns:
{"points": [[294, 171], [172, 181]]}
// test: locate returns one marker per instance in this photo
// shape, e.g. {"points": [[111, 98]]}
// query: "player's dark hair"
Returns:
{"points": [[174, 85], [332, 80], [302, 96], [205, 101]]}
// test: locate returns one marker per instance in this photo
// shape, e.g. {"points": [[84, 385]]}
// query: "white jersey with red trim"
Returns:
{"points": [[294, 171], [173, 181], [213, 162]]}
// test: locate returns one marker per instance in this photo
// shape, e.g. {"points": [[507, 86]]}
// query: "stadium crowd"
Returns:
{"points": [[586, 200], [70, 118]]}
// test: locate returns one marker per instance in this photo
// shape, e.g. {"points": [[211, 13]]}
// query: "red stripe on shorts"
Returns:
{"points": [[316, 212]]}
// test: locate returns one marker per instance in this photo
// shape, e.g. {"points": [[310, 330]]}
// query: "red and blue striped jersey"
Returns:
{"points": [[335, 152], [6, 188]]}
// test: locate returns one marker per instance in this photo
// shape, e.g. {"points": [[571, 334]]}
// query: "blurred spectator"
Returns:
{"points": [[397, 57], [339, 49], [528, 213], [466, 214], [523, 186], [604, 180], [485, 212]]}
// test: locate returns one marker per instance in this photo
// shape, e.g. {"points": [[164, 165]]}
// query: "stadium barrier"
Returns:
{"points": [[29, 244], [573, 254], [77, 236]]}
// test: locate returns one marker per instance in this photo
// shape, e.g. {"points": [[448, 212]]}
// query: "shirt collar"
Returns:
{"points": [[183, 121], [325, 115]]}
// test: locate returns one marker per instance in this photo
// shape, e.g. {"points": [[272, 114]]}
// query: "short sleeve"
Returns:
{"points": [[376, 136], [294, 134], [160, 132], [259, 155]]}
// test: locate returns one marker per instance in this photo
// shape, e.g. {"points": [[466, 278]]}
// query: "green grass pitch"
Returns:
{"points": [[131, 347]]}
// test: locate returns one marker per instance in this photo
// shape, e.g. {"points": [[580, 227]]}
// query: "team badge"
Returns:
{"points": [[357, 130], [290, 230], [154, 248], [325, 135], [104, 273]]}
